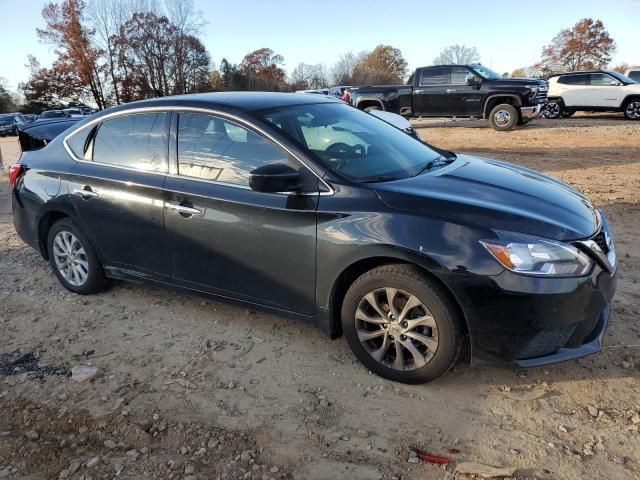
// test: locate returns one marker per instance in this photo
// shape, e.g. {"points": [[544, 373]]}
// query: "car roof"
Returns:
{"points": [[578, 72], [247, 101]]}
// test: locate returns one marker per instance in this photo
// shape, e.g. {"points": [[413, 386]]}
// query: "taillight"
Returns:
{"points": [[346, 97], [14, 173]]}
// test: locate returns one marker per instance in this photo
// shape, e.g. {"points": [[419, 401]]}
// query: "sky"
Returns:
{"points": [[508, 35]]}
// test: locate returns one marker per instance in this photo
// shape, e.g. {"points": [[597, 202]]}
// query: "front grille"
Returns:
{"points": [[548, 342], [542, 92]]}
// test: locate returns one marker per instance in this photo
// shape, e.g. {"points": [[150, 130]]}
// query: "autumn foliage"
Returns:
{"points": [[585, 46]]}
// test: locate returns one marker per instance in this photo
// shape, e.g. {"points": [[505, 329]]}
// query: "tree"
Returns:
{"points": [[457, 54], [306, 76], [384, 65], [518, 72], [71, 38], [342, 71], [232, 79], [585, 46], [622, 68], [263, 70], [7, 102], [146, 51], [51, 88]]}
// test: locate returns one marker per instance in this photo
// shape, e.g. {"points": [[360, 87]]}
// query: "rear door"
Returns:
{"points": [[430, 97], [224, 237], [574, 90], [464, 99], [116, 187]]}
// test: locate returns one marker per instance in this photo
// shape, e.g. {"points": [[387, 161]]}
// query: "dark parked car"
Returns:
{"points": [[309, 207], [10, 124], [472, 91], [47, 114], [33, 136]]}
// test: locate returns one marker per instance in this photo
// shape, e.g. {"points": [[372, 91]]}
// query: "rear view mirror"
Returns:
{"points": [[274, 178]]}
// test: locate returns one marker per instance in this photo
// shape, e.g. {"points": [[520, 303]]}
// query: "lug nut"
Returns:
{"points": [[405, 324], [403, 337]]}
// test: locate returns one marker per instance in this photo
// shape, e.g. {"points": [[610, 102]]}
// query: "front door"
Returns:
{"points": [[604, 91], [430, 97], [224, 237], [116, 187], [464, 100]]}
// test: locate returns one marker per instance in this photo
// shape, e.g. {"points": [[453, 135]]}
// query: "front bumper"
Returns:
{"points": [[529, 113], [530, 321]]}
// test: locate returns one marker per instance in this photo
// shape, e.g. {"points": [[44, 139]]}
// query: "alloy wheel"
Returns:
{"points": [[552, 110], [70, 258], [396, 329], [502, 118], [633, 110]]}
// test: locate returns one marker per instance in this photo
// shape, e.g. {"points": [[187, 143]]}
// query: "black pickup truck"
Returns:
{"points": [[472, 91]]}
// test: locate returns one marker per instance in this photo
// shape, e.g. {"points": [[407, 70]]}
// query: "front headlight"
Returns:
{"points": [[531, 255], [534, 90]]}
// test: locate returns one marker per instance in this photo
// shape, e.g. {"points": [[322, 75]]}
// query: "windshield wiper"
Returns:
{"points": [[381, 178], [438, 162]]}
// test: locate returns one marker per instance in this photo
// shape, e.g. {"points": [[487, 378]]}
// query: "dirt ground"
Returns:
{"points": [[196, 389]]}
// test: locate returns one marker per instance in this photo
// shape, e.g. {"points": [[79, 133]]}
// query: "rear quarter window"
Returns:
{"points": [[80, 143]]}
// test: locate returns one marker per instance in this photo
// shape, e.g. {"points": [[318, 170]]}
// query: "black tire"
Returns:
{"points": [[408, 280], [632, 109], [95, 279], [504, 117], [553, 109], [372, 108], [567, 113]]}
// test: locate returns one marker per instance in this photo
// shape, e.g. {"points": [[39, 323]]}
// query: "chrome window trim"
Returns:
{"points": [[206, 111]]}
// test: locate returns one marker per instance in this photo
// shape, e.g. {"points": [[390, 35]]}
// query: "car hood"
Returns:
{"points": [[520, 81], [497, 195]]}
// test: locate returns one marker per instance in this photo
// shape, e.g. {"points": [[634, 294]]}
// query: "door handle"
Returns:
{"points": [[183, 210], [450, 90], [418, 91], [85, 192]]}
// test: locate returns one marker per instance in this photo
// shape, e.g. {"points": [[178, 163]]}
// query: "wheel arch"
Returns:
{"points": [[349, 274], [493, 100], [47, 220], [366, 102], [629, 98]]}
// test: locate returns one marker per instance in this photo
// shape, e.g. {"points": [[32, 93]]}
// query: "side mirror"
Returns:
{"points": [[274, 178], [470, 80]]}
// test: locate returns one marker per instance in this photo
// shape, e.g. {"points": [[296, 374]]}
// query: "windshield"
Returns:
{"points": [[622, 78], [485, 72], [352, 142]]}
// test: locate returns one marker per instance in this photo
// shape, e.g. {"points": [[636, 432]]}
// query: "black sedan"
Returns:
{"points": [[306, 206], [10, 124]]}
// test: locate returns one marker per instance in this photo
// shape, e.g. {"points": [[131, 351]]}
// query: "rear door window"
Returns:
{"points": [[133, 141], [574, 79], [435, 76]]}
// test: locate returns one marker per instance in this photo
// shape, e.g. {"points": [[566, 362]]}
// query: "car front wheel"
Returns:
{"points": [[73, 259], [552, 109], [401, 325], [632, 109], [504, 117]]}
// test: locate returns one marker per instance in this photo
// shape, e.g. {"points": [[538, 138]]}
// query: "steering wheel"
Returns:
{"points": [[346, 152]]}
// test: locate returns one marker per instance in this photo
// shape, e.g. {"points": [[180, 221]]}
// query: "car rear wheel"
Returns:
{"points": [[504, 117], [553, 109], [73, 259], [401, 325], [632, 109]]}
